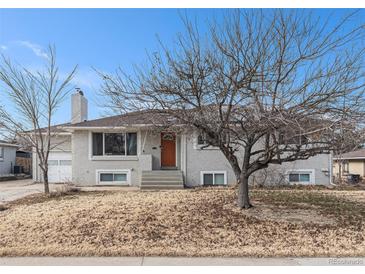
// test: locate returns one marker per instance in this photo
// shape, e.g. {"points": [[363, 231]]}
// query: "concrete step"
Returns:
{"points": [[162, 179], [158, 178], [160, 187], [162, 182], [161, 173]]}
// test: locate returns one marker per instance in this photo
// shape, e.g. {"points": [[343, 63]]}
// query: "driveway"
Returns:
{"points": [[16, 189]]}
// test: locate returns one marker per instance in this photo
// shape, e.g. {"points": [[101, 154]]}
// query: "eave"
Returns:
{"points": [[8, 145]]}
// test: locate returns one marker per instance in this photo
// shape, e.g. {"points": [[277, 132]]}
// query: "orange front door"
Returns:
{"points": [[168, 149]]}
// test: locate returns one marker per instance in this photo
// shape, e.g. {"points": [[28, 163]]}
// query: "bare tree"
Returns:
{"points": [[266, 87], [35, 97]]}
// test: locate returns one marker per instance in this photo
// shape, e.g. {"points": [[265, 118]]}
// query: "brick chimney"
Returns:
{"points": [[78, 107]]}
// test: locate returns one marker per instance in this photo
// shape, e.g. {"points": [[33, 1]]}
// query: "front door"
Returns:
{"points": [[168, 149]]}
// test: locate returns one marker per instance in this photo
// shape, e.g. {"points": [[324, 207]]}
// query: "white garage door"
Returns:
{"points": [[59, 167]]}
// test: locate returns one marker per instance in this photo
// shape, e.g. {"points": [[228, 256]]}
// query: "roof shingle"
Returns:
{"points": [[147, 117], [354, 154]]}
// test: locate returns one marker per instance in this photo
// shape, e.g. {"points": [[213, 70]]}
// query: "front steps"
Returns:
{"points": [[162, 179]]}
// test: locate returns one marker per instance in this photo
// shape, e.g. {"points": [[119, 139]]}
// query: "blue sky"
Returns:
{"points": [[102, 38]]}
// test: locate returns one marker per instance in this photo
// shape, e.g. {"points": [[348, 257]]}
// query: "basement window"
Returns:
{"points": [[301, 177], [213, 178], [113, 177]]}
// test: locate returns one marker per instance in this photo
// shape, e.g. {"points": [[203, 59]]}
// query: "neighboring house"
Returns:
{"points": [[125, 150], [7, 158], [350, 163], [24, 162]]}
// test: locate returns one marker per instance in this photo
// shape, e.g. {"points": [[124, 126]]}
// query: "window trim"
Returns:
{"points": [[302, 171], [200, 146], [283, 139], [204, 146], [113, 157], [204, 139], [202, 173], [114, 171]]}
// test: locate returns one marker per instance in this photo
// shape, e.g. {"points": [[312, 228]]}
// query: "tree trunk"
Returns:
{"points": [[46, 185], [243, 198]]}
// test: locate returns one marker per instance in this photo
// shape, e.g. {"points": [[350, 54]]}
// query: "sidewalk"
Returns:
{"points": [[184, 261]]}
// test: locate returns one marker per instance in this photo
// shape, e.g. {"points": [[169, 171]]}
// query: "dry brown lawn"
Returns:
{"points": [[200, 222]]}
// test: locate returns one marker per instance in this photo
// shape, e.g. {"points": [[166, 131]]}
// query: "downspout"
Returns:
{"points": [[331, 169], [184, 161], [36, 169]]}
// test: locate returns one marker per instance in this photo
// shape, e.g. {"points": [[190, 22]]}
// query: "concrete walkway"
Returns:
{"points": [[177, 261]]}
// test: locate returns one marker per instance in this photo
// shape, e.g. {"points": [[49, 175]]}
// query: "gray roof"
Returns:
{"points": [[145, 117], [55, 128], [138, 118], [357, 154]]}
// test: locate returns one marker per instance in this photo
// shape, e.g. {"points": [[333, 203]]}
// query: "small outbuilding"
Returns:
{"points": [[7, 158]]}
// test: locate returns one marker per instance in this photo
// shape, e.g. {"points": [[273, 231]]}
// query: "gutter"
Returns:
{"points": [[54, 133], [71, 128], [350, 158], [9, 145]]}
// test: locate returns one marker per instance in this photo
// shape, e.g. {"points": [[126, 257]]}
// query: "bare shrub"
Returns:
{"points": [[64, 189], [269, 177]]}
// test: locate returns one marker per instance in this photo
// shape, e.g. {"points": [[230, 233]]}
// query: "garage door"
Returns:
{"points": [[59, 167]]}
